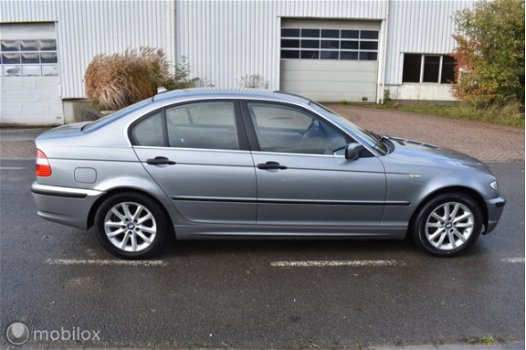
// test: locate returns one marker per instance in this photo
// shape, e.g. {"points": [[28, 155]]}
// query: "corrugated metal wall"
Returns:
{"points": [[419, 27], [226, 40], [87, 28]]}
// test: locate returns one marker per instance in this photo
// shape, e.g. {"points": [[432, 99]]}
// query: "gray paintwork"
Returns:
{"points": [[215, 193]]}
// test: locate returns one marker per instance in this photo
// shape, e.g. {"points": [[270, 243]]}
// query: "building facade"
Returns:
{"points": [[330, 51]]}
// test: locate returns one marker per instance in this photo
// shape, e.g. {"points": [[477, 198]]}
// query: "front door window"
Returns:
{"points": [[286, 129]]}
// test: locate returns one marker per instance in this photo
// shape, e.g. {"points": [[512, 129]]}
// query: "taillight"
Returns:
{"points": [[42, 167]]}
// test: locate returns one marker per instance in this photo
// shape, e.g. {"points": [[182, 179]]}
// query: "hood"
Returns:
{"points": [[430, 155]]}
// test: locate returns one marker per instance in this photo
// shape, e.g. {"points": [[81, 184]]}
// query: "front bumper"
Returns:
{"points": [[64, 205], [495, 207]]}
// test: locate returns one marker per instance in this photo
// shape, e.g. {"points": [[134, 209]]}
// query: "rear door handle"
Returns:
{"points": [[160, 161], [271, 165]]}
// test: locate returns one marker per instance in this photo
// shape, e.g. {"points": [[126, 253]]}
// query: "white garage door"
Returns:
{"points": [[330, 61], [29, 75]]}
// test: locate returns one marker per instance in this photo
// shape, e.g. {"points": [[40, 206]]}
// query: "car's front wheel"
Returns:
{"points": [[131, 225], [448, 224]]}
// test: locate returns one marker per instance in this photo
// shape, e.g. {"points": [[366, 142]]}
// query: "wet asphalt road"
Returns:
{"points": [[227, 294]]}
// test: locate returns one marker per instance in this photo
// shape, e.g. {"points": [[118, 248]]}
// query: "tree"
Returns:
{"points": [[490, 53]]}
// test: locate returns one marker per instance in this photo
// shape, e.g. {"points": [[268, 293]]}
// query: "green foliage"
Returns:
{"points": [[181, 78], [490, 53], [115, 81], [486, 340]]}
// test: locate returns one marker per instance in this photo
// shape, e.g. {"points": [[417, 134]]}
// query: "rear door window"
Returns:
{"points": [[207, 125]]}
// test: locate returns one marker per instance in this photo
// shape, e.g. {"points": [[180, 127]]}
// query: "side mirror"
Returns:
{"points": [[353, 151]]}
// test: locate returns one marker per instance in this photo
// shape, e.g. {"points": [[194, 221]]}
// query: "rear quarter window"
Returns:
{"points": [[149, 131]]}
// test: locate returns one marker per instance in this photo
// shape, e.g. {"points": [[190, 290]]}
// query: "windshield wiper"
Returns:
{"points": [[400, 141]]}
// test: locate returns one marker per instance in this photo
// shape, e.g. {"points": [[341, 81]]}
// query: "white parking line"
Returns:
{"points": [[106, 262], [337, 263], [513, 260]]}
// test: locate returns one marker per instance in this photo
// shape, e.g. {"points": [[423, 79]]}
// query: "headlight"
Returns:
{"points": [[494, 185]]}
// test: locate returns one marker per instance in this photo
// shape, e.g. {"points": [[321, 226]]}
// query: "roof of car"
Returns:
{"points": [[230, 93]]}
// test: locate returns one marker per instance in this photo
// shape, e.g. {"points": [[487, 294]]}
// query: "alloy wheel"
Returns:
{"points": [[449, 226], [130, 226]]}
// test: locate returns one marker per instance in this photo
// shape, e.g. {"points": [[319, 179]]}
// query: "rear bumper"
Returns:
{"points": [[64, 205], [495, 207]]}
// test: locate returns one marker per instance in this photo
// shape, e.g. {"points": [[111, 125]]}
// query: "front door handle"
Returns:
{"points": [[160, 161], [271, 165]]}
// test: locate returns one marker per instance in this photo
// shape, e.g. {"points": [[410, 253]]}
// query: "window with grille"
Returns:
{"points": [[420, 68], [329, 44], [28, 58]]}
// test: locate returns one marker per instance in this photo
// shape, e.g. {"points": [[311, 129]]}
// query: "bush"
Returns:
{"points": [[253, 81], [490, 53], [115, 81]]}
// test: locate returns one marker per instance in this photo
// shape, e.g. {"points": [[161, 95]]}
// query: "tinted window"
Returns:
{"points": [[329, 44], [431, 69], [149, 131], [310, 44], [412, 64], [369, 34], [310, 33], [287, 129], [369, 45], [353, 45], [290, 54], [351, 34], [209, 125], [368, 56], [330, 33], [448, 70], [329, 55], [290, 43], [349, 55], [310, 54], [290, 32]]}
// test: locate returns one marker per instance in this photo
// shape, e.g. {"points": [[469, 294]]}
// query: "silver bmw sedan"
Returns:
{"points": [[204, 163]]}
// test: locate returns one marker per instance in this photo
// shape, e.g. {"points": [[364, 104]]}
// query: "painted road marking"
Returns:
{"points": [[106, 262], [337, 263], [307, 263], [12, 168]]}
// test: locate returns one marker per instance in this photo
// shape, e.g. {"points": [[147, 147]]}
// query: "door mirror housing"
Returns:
{"points": [[353, 151]]}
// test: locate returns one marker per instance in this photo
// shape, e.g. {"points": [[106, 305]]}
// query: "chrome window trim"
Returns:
{"points": [[298, 154], [192, 149], [193, 98]]}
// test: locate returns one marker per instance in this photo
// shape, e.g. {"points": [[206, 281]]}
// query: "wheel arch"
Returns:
{"points": [[114, 191], [451, 189]]}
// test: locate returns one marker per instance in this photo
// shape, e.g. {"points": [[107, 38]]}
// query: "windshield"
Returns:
{"points": [[371, 139], [114, 116]]}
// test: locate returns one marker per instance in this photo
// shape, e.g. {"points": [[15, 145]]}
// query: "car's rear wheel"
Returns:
{"points": [[448, 224], [131, 225]]}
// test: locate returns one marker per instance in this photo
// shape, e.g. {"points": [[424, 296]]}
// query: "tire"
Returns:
{"points": [[441, 234], [131, 225]]}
